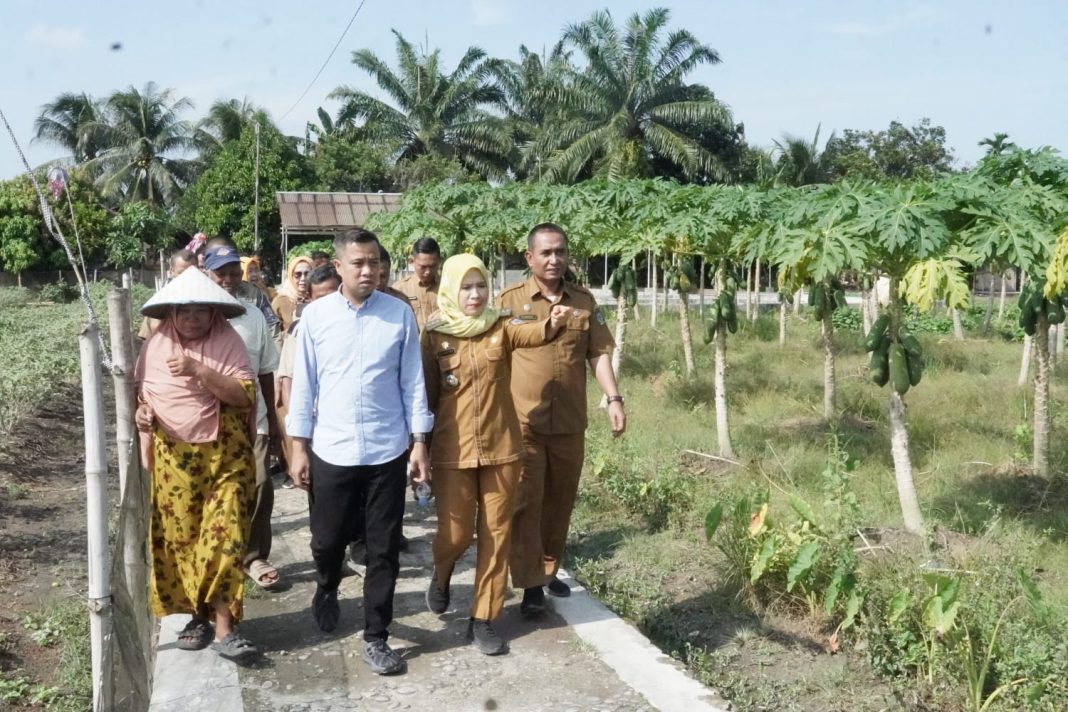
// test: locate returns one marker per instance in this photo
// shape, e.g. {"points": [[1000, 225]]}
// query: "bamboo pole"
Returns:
{"points": [[133, 494], [96, 470]]}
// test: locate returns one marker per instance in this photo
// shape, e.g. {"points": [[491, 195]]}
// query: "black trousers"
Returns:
{"points": [[341, 496]]}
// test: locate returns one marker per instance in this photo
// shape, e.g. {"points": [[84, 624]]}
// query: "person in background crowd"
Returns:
{"points": [[421, 287], [246, 292], [178, 262], [252, 272], [319, 258], [293, 295], [196, 391], [549, 391], [476, 443], [223, 265], [383, 277], [360, 348], [324, 280]]}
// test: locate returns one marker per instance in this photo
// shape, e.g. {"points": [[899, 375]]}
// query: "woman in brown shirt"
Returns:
{"points": [[476, 444]]}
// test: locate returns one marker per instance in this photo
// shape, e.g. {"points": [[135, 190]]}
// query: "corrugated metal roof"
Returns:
{"points": [[326, 212]]}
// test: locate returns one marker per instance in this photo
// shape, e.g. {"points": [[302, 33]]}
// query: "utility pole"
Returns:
{"points": [[256, 207]]}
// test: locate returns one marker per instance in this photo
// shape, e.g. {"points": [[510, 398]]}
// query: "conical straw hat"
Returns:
{"points": [[191, 287]]}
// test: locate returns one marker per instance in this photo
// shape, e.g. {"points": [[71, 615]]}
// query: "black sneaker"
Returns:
{"points": [[437, 598], [482, 635], [382, 659], [325, 609], [558, 588], [288, 483], [404, 544], [533, 601]]}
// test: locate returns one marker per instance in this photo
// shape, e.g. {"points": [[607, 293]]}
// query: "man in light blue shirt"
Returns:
{"points": [[358, 401]]}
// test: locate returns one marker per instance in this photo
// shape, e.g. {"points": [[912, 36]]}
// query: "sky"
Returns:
{"points": [[974, 67]]}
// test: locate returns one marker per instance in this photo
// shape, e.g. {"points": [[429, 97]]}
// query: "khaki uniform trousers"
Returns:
{"points": [[259, 540], [548, 486], [481, 496]]}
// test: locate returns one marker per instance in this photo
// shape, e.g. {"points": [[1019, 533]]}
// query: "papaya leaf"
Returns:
{"points": [[898, 605], [928, 281], [803, 562], [712, 520], [760, 564], [1057, 270]]}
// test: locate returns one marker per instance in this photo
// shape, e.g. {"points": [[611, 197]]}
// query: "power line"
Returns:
{"points": [[328, 58]]}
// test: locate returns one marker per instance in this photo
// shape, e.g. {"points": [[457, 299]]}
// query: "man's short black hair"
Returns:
{"points": [[549, 227], [323, 273], [317, 255], [383, 255], [426, 246], [353, 236]]}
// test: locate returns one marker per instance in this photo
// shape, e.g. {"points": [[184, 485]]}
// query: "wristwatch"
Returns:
{"points": [[615, 399], [419, 438]]}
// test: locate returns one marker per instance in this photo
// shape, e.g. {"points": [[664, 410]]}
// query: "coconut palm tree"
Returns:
{"points": [[801, 162], [149, 149], [433, 113], [71, 121], [530, 86], [630, 102]]}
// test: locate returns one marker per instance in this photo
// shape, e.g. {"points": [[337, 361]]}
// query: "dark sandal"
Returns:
{"points": [[196, 635], [234, 647]]}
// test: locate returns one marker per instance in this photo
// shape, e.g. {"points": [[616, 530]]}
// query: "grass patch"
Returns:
{"points": [[638, 528]]}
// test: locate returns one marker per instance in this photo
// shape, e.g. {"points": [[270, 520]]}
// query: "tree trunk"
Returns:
{"points": [[701, 287], [865, 313], [899, 449], [797, 303], [749, 292], [829, 386], [652, 284], [899, 436], [1025, 361], [989, 309], [720, 381], [782, 322], [637, 312], [1060, 340], [958, 327], [1001, 301], [687, 340], [1040, 455], [756, 300]]}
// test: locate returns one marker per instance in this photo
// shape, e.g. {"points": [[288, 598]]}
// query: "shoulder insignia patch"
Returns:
{"points": [[517, 321], [504, 313]]}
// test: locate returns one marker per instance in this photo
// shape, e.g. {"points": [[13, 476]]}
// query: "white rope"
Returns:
{"points": [[57, 233]]}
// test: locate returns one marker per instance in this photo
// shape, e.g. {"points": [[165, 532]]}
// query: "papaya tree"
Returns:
{"points": [[903, 226], [682, 278]]}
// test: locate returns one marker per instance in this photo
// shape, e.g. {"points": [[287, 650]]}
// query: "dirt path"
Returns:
{"points": [[550, 665]]}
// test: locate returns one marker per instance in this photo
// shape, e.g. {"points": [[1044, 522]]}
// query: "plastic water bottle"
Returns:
{"points": [[422, 494]]}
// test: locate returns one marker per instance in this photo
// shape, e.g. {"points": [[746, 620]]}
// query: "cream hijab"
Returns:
{"points": [[451, 318]]}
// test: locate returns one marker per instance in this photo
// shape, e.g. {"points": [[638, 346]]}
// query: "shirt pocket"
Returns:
{"points": [[450, 372], [496, 363], [578, 326]]}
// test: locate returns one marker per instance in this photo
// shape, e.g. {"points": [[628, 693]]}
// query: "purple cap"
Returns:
{"points": [[220, 256]]}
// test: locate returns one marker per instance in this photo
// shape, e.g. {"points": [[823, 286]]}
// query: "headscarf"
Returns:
{"points": [[185, 409], [246, 264], [450, 317], [289, 289]]}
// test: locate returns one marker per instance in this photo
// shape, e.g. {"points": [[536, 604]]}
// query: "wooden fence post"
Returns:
{"points": [[96, 470]]}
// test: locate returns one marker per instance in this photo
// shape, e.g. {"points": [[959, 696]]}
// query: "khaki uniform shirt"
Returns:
{"points": [[467, 383], [404, 298], [549, 382], [424, 300]]}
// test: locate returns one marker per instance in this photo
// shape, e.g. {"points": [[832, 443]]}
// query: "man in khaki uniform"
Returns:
{"points": [[385, 268], [421, 287], [549, 390]]}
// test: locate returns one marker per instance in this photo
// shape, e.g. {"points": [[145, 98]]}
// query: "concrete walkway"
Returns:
{"points": [[578, 656]]}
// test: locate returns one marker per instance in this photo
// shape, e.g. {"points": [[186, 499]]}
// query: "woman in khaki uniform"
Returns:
{"points": [[476, 445]]}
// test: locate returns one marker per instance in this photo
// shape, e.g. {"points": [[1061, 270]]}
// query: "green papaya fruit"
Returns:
{"points": [[912, 345], [914, 362], [879, 368], [732, 321], [1054, 312], [812, 296], [877, 329], [899, 369], [710, 331]]}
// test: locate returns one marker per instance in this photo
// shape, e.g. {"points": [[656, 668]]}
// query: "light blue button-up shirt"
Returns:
{"points": [[358, 388]]}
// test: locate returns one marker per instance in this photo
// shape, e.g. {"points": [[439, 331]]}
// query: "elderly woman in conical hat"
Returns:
{"points": [[476, 443], [196, 403]]}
